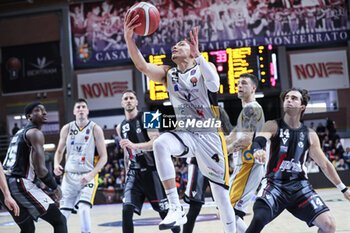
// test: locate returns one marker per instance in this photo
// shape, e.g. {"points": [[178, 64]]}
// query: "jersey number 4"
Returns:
{"points": [[216, 158]]}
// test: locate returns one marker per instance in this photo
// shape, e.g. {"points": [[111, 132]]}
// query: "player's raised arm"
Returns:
{"points": [[208, 69], [154, 72], [327, 168]]}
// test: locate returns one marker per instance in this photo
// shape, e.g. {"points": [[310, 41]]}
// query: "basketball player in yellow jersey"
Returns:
{"points": [[80, 138], [192, 86], [247, 172]]}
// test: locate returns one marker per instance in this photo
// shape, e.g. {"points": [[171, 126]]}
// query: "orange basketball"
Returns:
{"points": [[148, 17]]}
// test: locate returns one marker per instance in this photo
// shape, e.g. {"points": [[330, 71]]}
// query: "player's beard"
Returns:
{"points": [[130, 109]]}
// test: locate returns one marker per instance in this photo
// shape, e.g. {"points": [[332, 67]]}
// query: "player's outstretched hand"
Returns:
{"points": [[194, 43], [347, 194], [58, 170], [11, 204], [260, 155], [130, 25], [57, 194]]}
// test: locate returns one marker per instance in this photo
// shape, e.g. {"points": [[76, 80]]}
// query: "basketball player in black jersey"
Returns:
{"points": [[285, 185], [142, 178], [24, 162]]}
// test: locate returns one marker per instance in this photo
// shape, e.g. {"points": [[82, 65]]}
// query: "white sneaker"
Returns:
{"points": [[176, 216]]}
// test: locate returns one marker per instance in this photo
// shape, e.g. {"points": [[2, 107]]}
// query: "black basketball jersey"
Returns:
{"points": [[17, 162], [288, 153], [134, 131]]}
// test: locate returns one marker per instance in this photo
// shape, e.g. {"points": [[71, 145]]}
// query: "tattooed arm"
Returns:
{"points": [[251, 115]]}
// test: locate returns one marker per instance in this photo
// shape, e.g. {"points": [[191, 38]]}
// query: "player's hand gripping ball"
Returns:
{"points": [[148, 17]]}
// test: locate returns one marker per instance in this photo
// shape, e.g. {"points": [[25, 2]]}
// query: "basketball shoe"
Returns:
{"points": [[175, 217]]}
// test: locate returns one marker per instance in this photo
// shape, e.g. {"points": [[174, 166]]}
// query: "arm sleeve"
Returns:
{"points": [[211, 78]]}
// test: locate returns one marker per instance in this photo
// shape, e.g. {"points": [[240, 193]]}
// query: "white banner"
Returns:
{"points": [[102, 90], [322, 70]]}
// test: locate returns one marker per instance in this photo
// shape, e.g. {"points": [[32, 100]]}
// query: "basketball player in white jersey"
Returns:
{"points": [[247, 172], [192, 86], [80, 138]]}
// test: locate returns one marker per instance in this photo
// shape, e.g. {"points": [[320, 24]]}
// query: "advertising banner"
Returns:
{"points": [[98, 35], [103, 90], [31, 67], [320, 70]]}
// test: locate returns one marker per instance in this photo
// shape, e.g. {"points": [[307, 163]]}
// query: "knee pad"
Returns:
{"points": [[262, 213]]}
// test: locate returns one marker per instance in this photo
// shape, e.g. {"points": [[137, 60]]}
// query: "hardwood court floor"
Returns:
{"points": [[110, 215]]}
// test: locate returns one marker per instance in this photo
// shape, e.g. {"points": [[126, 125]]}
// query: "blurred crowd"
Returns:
{"points": [[101, 24], [332, 147]]}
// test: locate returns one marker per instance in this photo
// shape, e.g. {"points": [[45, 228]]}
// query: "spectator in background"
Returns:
{"points": [[341, 165], [333, 155], [104, 182], [331, 129], [312, 125], [346, 155], [179, 184], [120, 180], [110, 182], [338, 146], [326, 144], [311, 166], [335, 161], [15, 129], [321, 131]]}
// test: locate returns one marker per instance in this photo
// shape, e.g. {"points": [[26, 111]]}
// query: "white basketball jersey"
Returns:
{"points": [[190, 98], [80, 148]]}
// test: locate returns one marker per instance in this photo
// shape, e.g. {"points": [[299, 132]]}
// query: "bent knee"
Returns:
{"points": [[329, 225], [326, 222], [159, 144]]}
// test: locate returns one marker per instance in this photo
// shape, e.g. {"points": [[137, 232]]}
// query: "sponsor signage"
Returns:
{"points": [[103, 90], [31, 67], [319, 70]]}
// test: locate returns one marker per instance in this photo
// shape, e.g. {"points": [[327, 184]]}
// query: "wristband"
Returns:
{"points": [[341, 187], [344, 190], [49, 181], [259, 143]]}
